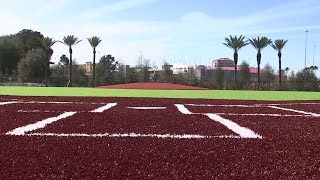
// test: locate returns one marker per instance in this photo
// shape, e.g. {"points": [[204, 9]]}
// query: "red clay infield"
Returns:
{"points": [[162, 86], [153, 138]]}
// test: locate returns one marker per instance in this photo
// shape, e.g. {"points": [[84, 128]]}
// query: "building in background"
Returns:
{"points": [[227, 66], [88, 66]]}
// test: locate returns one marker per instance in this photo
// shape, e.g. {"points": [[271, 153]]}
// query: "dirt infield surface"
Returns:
{"points": [[160, 86], [148, 138]]}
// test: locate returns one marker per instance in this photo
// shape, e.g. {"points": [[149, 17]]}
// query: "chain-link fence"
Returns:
{"points": [[226, 84]]}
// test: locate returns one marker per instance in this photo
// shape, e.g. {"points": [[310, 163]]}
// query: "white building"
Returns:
{"points": [[181, 68]]}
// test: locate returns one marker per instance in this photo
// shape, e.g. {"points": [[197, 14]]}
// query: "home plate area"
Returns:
{"points": [[158, 118]]}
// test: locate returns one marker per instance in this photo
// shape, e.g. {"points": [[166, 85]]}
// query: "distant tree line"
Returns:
{"points": [[26, 56]]}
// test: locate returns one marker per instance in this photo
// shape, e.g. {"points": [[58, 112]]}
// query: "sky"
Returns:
{"points": [[176, 31]]}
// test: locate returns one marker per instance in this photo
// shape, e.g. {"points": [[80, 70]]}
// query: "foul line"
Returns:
{"points": [[272, 115], [221, 105], [253, 105], [8, 102], [183, 109], [242, 131], [146, 108], [297, 111], [136, 135], [103, 108], [38, 125]]}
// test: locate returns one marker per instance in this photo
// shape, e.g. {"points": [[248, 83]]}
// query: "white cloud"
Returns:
{"points": [[49, 6], [114, 8]]}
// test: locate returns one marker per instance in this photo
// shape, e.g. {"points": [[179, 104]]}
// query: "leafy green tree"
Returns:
{"points": [[278, 46], [94, 42], [268, 75], [143, 73], [219, 77], [46, 45], [244, 73], [30, 39], [235, 43], [156, 76], [120, 74], [306, 80], [167, 74], [191, 77], [132, 75], [80, 78], [64, 62], [259, 44], [32, 65], [70, 41], [105, 69], [10, 54], [179, 78]]}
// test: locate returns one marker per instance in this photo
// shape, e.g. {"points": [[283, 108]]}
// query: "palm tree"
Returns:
{"points": [[46, 44], [70, 40], [259, 44], [94, 42], [278, 46], [236, 43]]}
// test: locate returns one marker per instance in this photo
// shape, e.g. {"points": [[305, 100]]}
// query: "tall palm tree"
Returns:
{"points": [[259, 44], [278, 46], [235, 43], [94, 42], [46, 44], [70, 40]]}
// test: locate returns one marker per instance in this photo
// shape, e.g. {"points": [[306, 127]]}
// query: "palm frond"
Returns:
{"points": [[260, 43], [279, 44], [94, 41], [47, 43], [70, 40], [235, 43]]}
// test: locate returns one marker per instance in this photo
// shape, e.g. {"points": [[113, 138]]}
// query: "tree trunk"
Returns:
{"points": [[94, 68], [258, 62], [70, 66], [46, 70], [235, 56], [280, 72]]}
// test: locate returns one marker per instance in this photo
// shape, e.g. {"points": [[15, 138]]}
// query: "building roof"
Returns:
{"points": [[223, 59], [252, 70]]}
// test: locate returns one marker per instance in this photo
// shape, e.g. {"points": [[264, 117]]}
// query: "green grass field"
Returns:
{"points": [[198, 94]]}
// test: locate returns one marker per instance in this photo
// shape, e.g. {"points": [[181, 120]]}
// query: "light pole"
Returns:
{"points": [[305, 50], [314, 53], [140, 58]]}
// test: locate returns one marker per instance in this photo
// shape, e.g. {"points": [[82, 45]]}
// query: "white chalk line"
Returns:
{"points": [[294, 110], [146, 108], [136, 135], [242, 131], [219, 113], [223, 105], [220, 105], [38, 125], [8, 102], [57, 102], [103, 108], [183, 109], [250, 105], [272, 115]]}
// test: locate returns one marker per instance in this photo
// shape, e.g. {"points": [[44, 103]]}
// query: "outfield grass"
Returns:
{"points": [[198, 94]]}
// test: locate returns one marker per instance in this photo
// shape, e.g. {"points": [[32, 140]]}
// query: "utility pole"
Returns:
{"points": [[305, 50], [314, 53]]}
